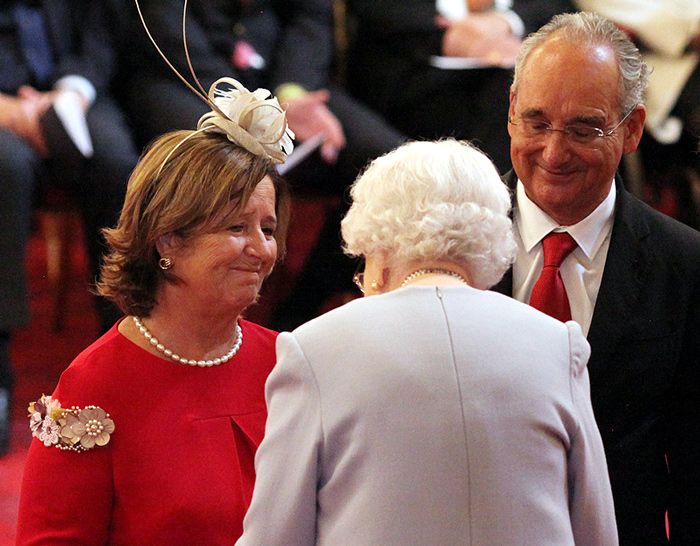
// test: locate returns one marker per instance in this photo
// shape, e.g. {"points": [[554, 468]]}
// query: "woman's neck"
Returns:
{"points": [[434, 276], [184, 330], [440, 273]]}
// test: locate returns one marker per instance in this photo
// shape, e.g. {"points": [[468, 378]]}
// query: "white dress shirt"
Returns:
{"points": [[581, 271]]}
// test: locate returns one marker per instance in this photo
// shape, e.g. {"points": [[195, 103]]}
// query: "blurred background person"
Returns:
{"points": [[433, 411], [178, 384], [442, 68], [668, 35], [58, 63], [288, 47], [590, 251]]}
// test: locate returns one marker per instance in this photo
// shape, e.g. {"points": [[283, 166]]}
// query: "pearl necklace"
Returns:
{"points": [[422, 272], [177, 358]]}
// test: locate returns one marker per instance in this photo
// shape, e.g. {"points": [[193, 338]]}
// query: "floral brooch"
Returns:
{"points": [[74, 428]]}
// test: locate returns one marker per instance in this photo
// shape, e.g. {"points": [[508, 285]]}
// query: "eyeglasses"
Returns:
{"points": [[359, 277], [576, 133]]}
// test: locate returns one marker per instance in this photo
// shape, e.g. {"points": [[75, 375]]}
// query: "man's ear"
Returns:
{"points": [[511, 109], [634, 129], [511, 99]]}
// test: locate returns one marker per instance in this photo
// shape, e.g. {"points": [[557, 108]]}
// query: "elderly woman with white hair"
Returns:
{"points": [[434, 411]]}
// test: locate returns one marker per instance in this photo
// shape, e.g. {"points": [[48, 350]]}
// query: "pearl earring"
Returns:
{"points": [[374, 285], [165, 263]]}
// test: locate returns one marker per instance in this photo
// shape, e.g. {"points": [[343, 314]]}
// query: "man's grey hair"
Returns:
{"points": [[591, 29]]}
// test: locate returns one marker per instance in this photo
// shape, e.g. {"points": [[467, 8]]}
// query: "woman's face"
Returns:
{"points": [[224, 270]]}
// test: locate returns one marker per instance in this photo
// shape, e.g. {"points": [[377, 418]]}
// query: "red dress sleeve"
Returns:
{"points": [[77, 487]]}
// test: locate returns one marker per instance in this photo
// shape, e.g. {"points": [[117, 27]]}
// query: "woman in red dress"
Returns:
{"points": [[150, 435]]}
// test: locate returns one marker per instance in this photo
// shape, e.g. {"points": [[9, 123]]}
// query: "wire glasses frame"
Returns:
{"points": [[577, 133]]}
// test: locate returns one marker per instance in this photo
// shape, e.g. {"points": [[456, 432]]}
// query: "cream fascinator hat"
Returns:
{"points": [[253, 120]]}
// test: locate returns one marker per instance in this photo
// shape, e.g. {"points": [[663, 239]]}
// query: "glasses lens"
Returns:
{"points": [[534, 128], [583, 134]]}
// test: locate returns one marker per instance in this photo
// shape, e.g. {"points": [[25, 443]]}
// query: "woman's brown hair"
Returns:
{"points": [[181, 185]]}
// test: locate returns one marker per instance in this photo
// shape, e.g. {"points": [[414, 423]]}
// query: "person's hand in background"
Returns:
{"points": [[308, 115], [21, 115], [486, 36]]}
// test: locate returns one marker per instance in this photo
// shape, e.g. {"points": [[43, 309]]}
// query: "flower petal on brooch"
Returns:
{"points": [[77, 429]]}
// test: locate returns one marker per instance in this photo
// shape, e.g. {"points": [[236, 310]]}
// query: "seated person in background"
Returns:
{"points": [[668, 34], [402, 59], [286, 46], [178, 384], [56, 57], [432, 411]]}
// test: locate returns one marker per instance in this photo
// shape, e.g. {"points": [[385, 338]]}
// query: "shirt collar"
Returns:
{"points": [[533, 223]]}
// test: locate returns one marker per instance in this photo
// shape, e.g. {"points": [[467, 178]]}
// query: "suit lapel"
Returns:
{"points": [[626, 270]]}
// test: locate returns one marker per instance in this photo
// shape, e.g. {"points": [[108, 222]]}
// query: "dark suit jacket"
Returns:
{"points": [[407, 27], [294, 37], [81, 43], [389, 70], [645, 371]]}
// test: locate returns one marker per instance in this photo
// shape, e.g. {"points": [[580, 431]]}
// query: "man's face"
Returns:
{"points": [[562, 85]]}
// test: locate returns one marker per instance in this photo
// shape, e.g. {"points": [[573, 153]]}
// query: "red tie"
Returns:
{"points": [[549, 294]]}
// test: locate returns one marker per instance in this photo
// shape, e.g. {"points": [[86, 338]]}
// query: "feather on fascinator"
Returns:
{"points": [[253, 120]]}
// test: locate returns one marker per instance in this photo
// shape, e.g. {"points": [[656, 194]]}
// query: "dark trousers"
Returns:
{"points": [[97, 185]]}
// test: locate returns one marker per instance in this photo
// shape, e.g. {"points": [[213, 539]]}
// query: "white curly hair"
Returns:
{"points": [[433, 201]]}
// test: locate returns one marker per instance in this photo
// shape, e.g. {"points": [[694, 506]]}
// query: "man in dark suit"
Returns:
{"points": [[632, 279], [287, 47], [405, 62], [56, 57]]}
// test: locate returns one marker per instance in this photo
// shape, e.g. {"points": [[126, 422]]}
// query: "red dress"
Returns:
{"points": [[178, 469]]}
